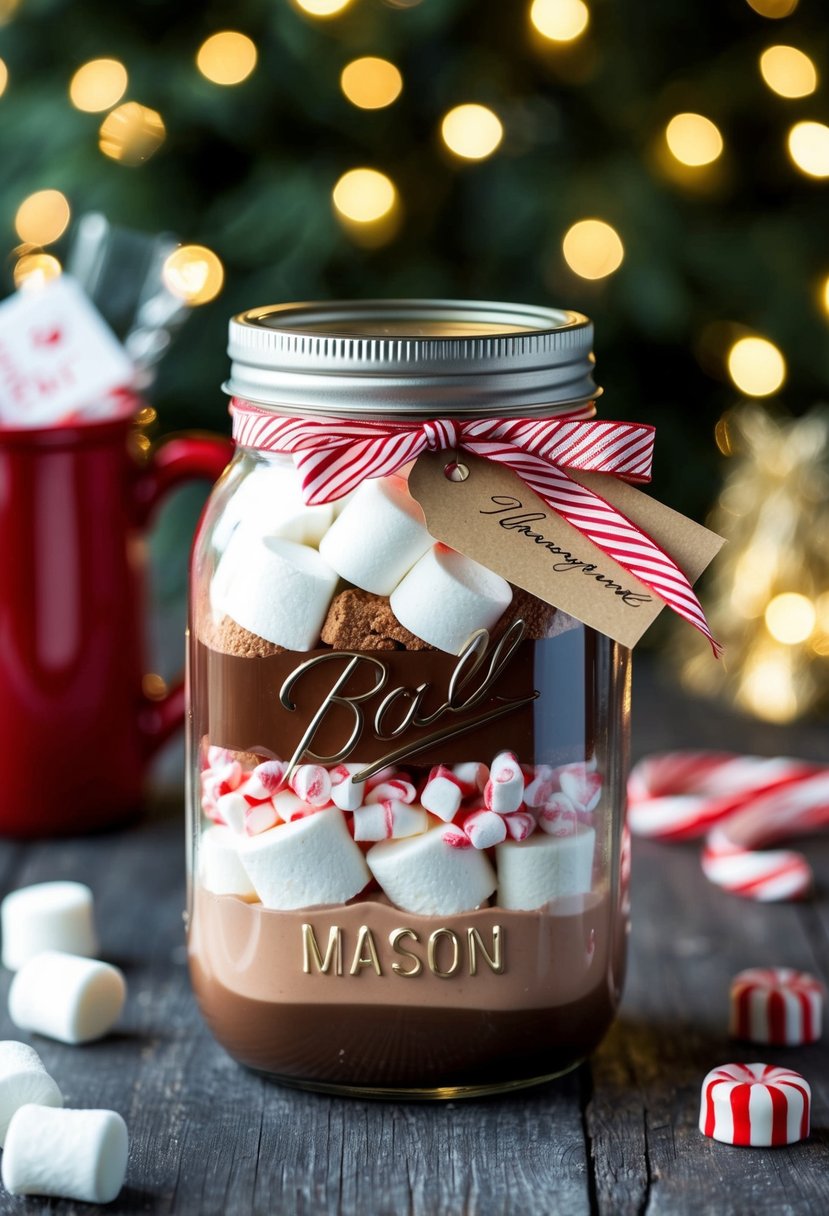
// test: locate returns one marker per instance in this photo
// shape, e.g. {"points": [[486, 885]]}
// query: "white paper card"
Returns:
{"points": [[57, 355]]}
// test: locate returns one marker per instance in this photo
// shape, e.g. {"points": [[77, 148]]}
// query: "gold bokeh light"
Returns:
{"points": [[35, 269], [775, 9], [756, 366], [4, 77], [226, 58], [593, 249], [693, 139], [131, 133], [371, 83], [790, 618], [193, 273], [788, 71], [322, 8], [42, 217], [559, 20], [364, 196], [809, 148], [98, 85], [471, 131]]}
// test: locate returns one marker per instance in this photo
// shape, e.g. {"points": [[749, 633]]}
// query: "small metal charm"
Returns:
{"points": [[455, 471]]}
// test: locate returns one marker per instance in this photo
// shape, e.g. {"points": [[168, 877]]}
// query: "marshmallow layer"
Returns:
{"points": [[446, 596], [377, 537], [280, 591], [308, 862], [220, 869], [534, 871], [64, 997], [269, 500], [23, 1079], [427, 875], [47, 916], [72, 1154]]}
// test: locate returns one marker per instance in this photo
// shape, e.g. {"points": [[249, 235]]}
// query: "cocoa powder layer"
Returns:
{"points": [[551, 1005], [227, 637], [358, 620]]}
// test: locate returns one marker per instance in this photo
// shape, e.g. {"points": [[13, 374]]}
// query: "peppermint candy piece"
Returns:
{"points": [[755, 1104], [776, 1005]]}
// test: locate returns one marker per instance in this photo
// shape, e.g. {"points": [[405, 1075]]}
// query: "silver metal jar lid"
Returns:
{"points": [[420, 358]]}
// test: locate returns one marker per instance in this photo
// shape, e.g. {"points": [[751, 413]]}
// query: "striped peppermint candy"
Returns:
{"points": [[755, 1104], [334, 456], [776, 1005]]}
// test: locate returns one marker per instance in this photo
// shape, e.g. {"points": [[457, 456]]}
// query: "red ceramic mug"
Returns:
{"points": [[76, 731]]}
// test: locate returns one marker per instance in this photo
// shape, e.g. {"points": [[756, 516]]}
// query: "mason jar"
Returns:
{"points": [[407, 864]]}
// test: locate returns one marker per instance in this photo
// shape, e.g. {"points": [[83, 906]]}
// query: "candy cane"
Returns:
{"points": [[741, 804]]}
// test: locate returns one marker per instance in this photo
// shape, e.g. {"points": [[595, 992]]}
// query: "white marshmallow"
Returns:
{"points": [[534, 871], [232, 808], [220, 869], [485, 829], [346, 793], [308, 862], [64, 997], [395, 788], [23, 1079], [442, 794], [281, 592], [289, 805], [504, 792], [447, 596], [269, 500], [389, 819], [378, 536], [47, 916], [69, 1154], [429, 875], [312, 784]]}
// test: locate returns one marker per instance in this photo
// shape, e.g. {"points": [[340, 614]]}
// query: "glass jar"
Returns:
{"points": [[407, 867]]}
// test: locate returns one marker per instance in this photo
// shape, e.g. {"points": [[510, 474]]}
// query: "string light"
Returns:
{"points": [[756, 366], [790, 618], [364, 196], [322, 8], [4, 77], [593, 249], [193, 273], [560, 20], [824, 295], [371, 83], [42, 217], [226, 58], [35, 269], [7, 10], [809, 148], [471, 131], [693, 139], [788, 71], [98, 85], [773, 8], [131, 133]]}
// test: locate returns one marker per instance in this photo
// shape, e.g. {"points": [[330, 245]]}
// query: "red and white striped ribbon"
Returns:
{"points": [[741, 804], [334, 456]]}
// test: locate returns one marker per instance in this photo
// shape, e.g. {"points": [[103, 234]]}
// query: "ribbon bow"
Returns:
{"points": [[334, 456]]}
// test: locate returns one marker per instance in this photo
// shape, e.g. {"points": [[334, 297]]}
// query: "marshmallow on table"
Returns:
{"points": [[47, 916], [389, 819], [378, 536], [755, 1104], [446, 597], [776, 1005], [69, 1154], [431, 875], [305, 863], [220, 869], [504, 792], [269, 499], [281, 592], [23, 1079], [532, 872], [64, 997]]}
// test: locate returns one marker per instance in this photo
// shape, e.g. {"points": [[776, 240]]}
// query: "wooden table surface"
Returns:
{"points": [[617, 1137]]}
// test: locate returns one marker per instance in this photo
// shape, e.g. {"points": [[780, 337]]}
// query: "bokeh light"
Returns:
{"points": [[4, 77], [7, 10], [322, 8], [226, 58], [809, 148], [42, 217], [824, 295], [756, 366], [559, 20], [773, 8], [693, 139], [790, 618], [35, 269], [371, 83], [593, 249], [788, 71], [193, 273], [131, 133], [364, 195], [471, 131], [98, 85]]}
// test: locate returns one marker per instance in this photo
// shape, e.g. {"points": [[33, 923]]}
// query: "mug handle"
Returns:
{"points": [[176, 460]]}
